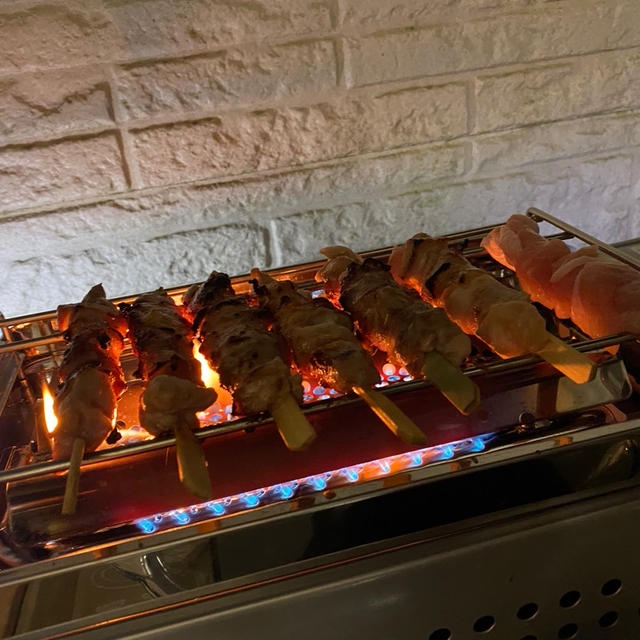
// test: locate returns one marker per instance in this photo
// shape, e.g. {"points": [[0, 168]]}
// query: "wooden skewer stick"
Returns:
{"points": [[573, 364], [73, 478], [393, 417], [192, 463], [292, 424], [460, 390]]}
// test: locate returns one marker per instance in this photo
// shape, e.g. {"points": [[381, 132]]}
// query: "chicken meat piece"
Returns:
{"points": [[90, 374], [600, 294], [161, 338], [479, 304], [236, 340], [320, 336], [389, 316]]}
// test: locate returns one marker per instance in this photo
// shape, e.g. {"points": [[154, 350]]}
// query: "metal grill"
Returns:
{"points": [[519, 495]]}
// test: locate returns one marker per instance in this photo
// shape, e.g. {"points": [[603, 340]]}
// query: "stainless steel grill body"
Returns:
{"points": [[502, 513]]}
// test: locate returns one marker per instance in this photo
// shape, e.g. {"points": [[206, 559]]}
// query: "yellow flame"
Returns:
{"points": [[211, 378], [50, 418]]}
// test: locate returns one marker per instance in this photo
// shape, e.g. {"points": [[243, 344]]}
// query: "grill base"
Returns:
{"points": [[446, 554], [454, 588]]}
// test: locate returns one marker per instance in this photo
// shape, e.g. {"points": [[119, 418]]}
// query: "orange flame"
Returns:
{"points": [[210, 377], [50, 418]]}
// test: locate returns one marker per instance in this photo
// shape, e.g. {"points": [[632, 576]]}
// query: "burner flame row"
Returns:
{"points": [[282, 492]]}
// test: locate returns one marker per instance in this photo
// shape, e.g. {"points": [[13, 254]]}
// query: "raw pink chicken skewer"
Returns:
{"points": [[601, 295]]}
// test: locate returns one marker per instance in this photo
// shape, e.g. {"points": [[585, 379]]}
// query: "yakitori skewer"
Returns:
{"points": [[502, 317], [396, 320], [322, 343], [600, 294], [249, 357], [91, 380], [162, 339]]}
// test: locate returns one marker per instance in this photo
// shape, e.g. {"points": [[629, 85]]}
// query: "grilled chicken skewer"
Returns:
{"points": [[479, 304], [396, 320], [92, 380], [322, 341], [249, 359], [600, 294], [161, 338]]}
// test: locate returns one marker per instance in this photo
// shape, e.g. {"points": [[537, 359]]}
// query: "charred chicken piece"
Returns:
{"points": [[479, 304], [162, 340], [322, 343], [91, 381], [90, 372], [396, 320], [249, 358], [320, 336]]}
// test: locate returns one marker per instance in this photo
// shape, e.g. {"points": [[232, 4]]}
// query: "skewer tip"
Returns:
{"points": [[292, 424], [460, 390], [572, 363], [392, 416], [73, 478], [192, 462]]}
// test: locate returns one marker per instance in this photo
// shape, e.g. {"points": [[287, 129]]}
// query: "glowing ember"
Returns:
{"points": [[50, 418], [388, 369]]}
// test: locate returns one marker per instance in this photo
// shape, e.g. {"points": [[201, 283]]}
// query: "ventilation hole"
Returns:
{"points": [[440, 634], [611, 587], [484, 624], [608, 619], [568, 631], [529, 638], [527, 611], [570, 599]]}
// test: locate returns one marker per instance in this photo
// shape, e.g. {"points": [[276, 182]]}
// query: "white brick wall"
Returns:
{"points": [[145, 142]]}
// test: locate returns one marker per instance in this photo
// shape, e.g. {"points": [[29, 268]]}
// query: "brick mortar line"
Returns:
{"points": [[302, 101], [54, 138], [313, 36], [342, 64], [337, 14], [327, 163], [634, 191], [269, 226], [200, 116], [507, 67], [458, 17], [129, 159], [197, 117], [468, 177], [311, 99], [471, 105], [336, 17], [275, 246], [208, 182]]}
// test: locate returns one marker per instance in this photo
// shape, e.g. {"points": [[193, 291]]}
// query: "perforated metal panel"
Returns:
{"points": [[567, 572]]}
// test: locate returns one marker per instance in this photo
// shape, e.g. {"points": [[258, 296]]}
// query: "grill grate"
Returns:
{"points": [[37, 335]]}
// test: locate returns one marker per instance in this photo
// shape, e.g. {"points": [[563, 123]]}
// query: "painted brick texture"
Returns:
{"points": [[146, 142]]}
